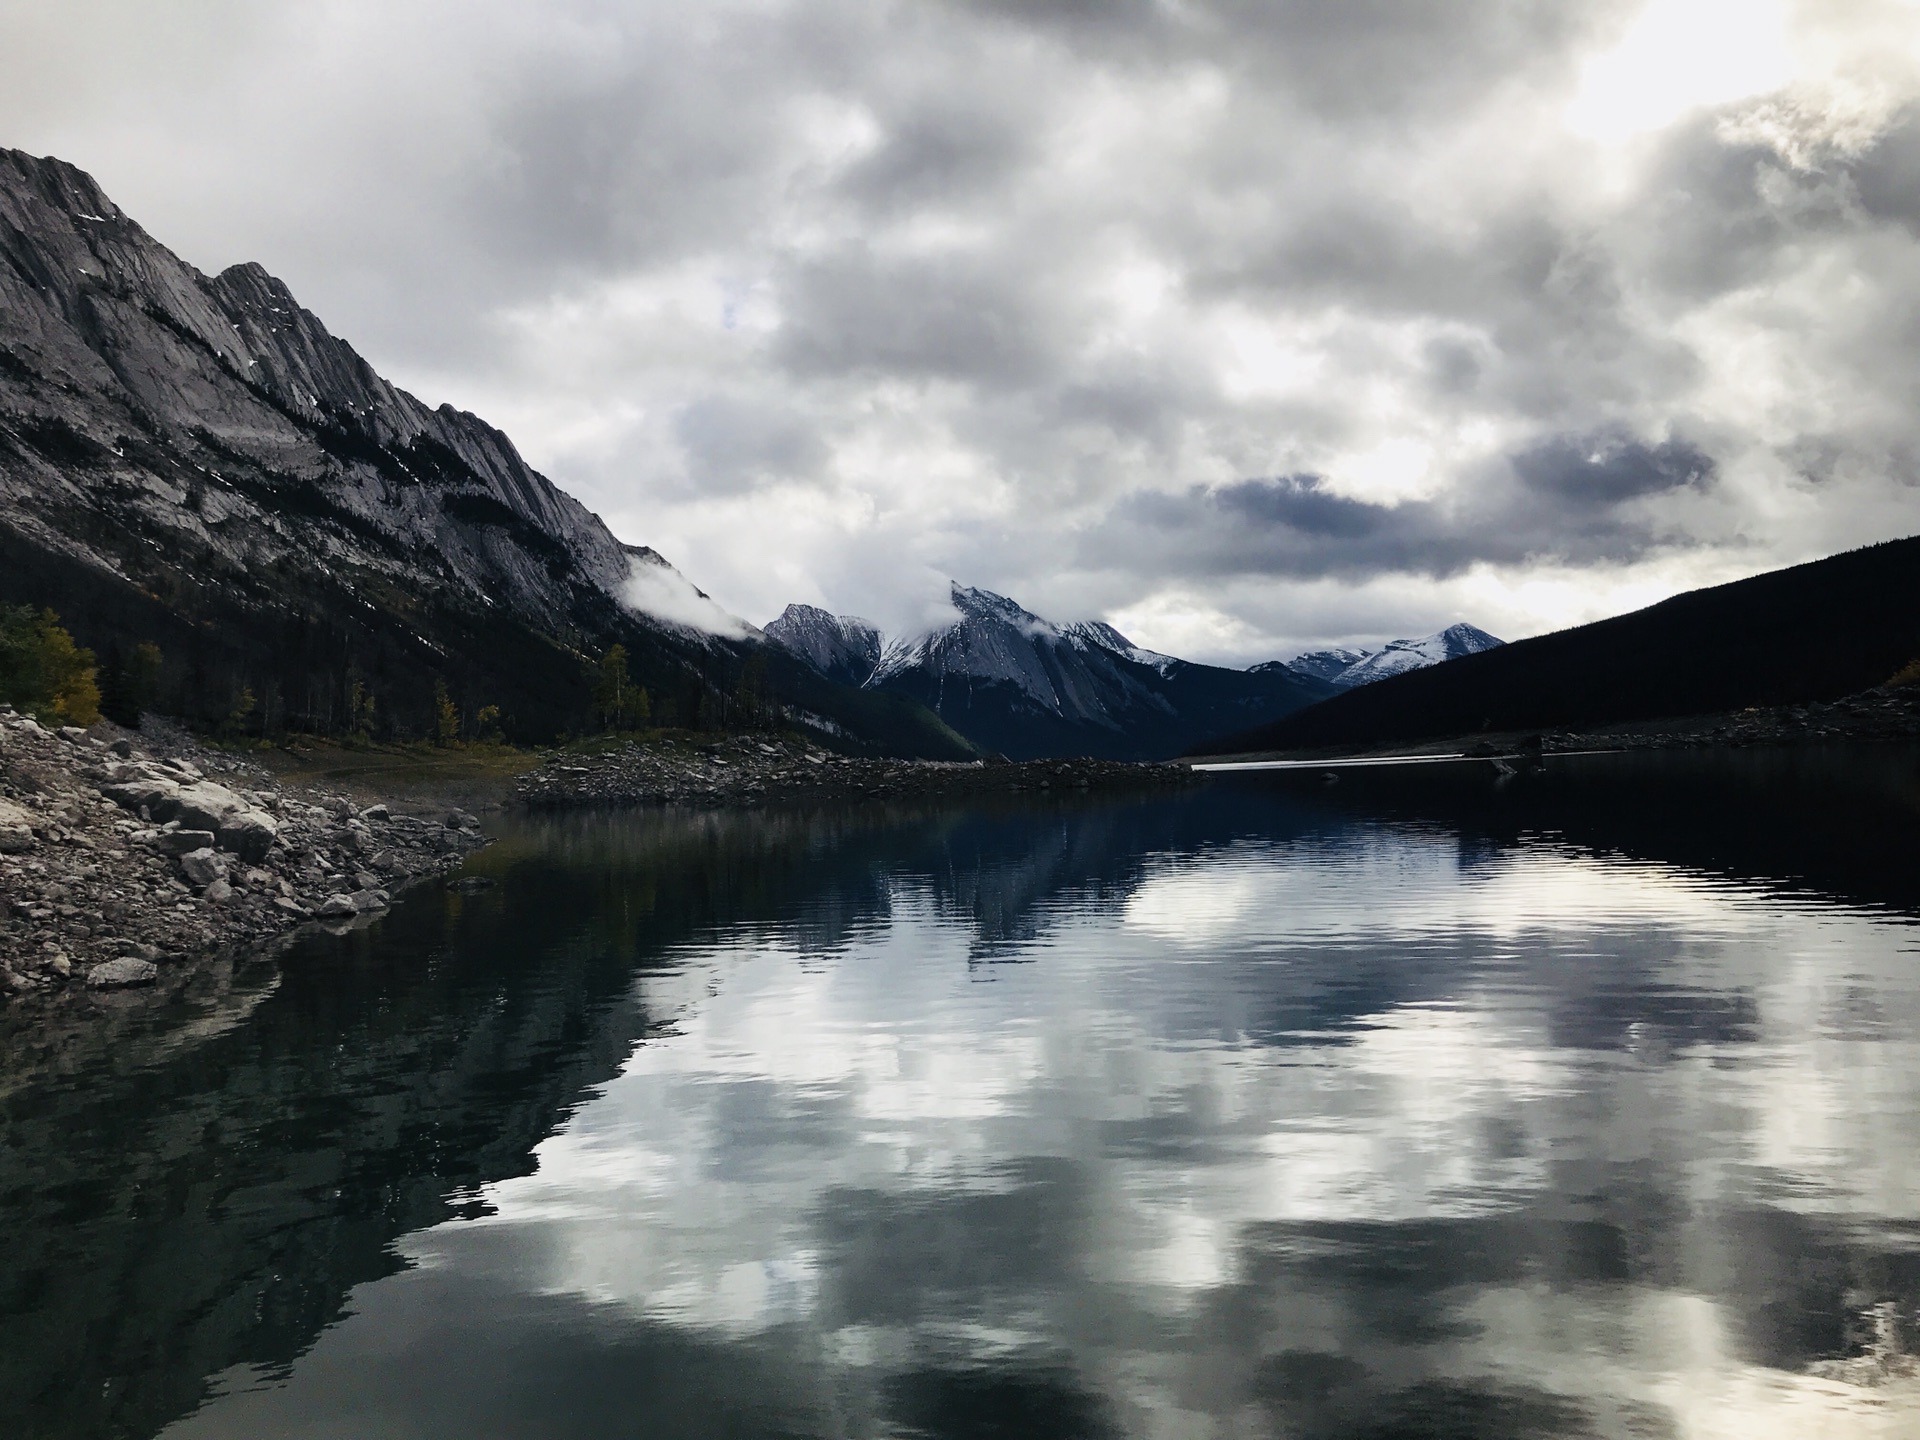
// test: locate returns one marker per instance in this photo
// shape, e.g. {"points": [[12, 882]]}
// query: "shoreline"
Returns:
{"points": [[1884, 714], [129, 857], [131, 861]]}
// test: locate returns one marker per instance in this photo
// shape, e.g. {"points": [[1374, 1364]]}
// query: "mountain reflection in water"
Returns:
{"points": [[1413, 1106]]}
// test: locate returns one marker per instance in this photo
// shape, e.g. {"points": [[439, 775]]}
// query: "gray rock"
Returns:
{"points": [[365, 880], [113, 974], [250, 835], [365, 900], [202, 805], [143, 792], [337, 907], [376, 812], [123, 748], [203, 867], [16, 839], [183, 842], [219, 892]]}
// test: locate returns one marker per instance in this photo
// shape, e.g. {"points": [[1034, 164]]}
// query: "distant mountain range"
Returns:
{"points": [[1345, 668], [1813, 632], [1023, 686], [194, 461]]}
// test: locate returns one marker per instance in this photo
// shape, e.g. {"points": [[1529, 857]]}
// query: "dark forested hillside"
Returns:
{"points": [[1813, 632]]}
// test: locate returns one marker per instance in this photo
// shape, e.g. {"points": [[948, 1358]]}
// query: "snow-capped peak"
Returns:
{"points": [[1400, 656]]}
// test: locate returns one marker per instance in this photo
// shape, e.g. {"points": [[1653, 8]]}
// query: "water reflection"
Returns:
{"points": [[1584, 1107]]}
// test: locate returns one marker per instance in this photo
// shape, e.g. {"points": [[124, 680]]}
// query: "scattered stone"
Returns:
{"points": [[337, 907], [98, 838], [113, 974]]}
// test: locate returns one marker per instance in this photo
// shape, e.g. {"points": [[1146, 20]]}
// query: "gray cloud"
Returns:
{"points": [[1569, 500], [826, 299]]}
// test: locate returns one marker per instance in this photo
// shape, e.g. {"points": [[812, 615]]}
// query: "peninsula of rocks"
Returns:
{"points": [[772, 769], [121, 856]]}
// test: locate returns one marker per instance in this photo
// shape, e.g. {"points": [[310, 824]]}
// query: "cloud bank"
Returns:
{"points": [[1246, 326]]}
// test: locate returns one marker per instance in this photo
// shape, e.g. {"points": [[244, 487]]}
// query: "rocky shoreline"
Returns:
{"points": [[122, 855], [779, 769]]}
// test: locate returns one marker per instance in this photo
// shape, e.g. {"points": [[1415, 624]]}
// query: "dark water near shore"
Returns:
{"points": [[1410, 1106]]}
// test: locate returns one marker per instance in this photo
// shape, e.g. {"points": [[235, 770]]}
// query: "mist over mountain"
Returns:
{"points": [[193, 461], [1014, 683]]}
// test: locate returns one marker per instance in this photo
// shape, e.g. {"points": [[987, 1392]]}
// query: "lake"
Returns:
{"points": [[1583, 1104]]}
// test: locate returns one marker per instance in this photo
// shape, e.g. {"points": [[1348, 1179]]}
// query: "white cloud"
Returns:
{"points": [[655, 588]]}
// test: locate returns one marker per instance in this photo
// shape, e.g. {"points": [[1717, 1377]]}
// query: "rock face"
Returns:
{"points": [[1014, 683], [194, 461], [163, 366]]}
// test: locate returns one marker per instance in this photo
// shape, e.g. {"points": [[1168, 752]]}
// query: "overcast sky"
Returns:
{"points": [[1246, 324]]}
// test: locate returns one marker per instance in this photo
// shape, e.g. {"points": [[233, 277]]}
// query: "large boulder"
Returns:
{"points": [[148, 792], [16, 829], [250, 835], [202, 805], [125, 971]]}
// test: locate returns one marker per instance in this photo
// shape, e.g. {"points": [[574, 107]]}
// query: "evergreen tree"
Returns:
{"points": [[42, 671]]}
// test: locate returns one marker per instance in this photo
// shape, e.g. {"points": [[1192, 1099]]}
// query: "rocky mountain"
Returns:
{"points": [[1344, 667], [1328, 665], [1815, 632], [194, 462], [1400, 656], [841, 647], [1020, 685]]}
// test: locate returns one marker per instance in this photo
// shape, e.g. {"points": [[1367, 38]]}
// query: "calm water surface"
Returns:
{"points": [[1586, 1106]]}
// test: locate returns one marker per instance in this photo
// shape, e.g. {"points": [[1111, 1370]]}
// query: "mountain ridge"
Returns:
{"points": [[1807, 633], [197, 461], [1015, 683]]}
